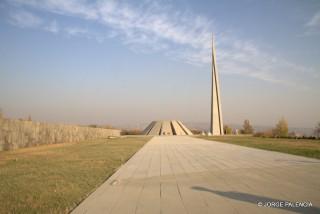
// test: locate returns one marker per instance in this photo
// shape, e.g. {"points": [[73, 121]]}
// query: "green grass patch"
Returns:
{"points": [[302, 147], [55, 178]]}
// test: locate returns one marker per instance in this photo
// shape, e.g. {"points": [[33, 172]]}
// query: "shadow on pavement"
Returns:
{"points": [[254, 199]]}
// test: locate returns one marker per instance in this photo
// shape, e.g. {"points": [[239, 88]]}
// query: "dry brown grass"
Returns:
{"points": [[55, 178], [303, 147]]}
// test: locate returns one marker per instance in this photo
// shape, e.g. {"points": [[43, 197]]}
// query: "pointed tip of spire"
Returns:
{"points": [[213, 40]]}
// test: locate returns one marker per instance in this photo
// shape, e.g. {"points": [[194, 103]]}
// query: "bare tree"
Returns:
{"points": [[317, 130], [281, 129], [247, 128]]}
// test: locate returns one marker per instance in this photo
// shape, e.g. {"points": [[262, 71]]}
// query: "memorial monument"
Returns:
{"points": [[216, 122], [167, 127]]}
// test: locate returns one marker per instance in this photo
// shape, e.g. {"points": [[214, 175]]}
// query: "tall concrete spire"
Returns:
{"points": [[216, 125]]}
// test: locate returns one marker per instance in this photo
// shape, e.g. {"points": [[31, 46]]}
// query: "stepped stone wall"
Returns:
{"points": [[167, 127], [18, 133]]}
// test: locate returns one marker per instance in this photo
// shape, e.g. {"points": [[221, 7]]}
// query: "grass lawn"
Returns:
{"points": [[307, 148], [55, 178]]}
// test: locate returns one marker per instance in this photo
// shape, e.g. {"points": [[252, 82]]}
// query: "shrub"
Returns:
{"points": [[227, 129], [267, 133], [131, 132], [196, 131]]}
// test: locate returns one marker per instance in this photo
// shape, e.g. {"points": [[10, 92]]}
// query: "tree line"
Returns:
{"points": [[280, 130]]}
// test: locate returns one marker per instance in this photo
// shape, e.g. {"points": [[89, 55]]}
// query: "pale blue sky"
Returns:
{"points": [[130, 62]]}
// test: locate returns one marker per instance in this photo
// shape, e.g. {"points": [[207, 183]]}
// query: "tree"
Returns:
{"points": [[227, 129], [247, 128], [317, 130], [281, 129]]}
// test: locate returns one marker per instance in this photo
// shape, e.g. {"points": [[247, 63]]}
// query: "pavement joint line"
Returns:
{"points": [[209, 176]]}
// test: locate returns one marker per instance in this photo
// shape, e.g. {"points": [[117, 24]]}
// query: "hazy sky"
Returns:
{"points": [[130, 62]]}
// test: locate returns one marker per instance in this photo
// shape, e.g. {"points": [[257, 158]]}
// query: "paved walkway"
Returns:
{"points": [[180, 174]]}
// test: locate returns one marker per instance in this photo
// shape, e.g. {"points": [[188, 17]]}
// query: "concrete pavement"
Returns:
{"points": [[180, 174]]}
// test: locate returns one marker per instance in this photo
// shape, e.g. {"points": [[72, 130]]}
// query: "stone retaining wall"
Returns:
{"points": [[17, 133]]}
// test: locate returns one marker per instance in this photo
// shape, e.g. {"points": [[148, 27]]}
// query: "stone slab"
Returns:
{"points": [[181, 174]]}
